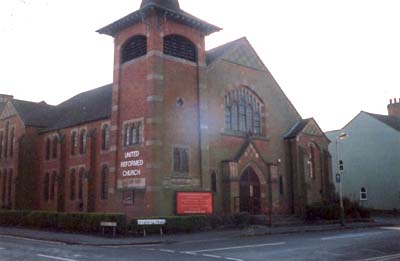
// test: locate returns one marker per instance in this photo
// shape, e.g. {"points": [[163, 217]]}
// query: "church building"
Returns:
{"points": [[211, 125]]}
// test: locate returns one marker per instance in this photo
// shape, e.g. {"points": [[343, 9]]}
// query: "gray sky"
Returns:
{"points": [[332, 58]]}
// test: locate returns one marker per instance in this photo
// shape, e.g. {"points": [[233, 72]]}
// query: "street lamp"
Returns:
{"points": [[340, 170]]}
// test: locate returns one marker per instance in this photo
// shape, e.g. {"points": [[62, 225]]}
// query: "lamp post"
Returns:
{"points": [[340, 169]]}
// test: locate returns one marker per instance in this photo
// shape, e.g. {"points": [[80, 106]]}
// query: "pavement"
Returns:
{"points": [[251, 231]]}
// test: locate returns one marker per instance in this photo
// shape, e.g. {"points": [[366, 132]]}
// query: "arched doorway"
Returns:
{"points": [[250, 195]]}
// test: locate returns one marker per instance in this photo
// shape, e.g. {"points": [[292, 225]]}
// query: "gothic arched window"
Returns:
{"points": [[55, 147], [106, 137], [104, 183], [133, 48], [48, 148], [83, 142], [74, 143], [179, 46], [72, 185], [46, 186], [242, 111]]}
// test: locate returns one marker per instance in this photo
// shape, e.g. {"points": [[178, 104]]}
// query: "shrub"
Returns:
{"points": [[331, 211], [72, 222]]}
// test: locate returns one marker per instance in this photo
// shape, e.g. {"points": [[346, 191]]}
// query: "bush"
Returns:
{"points": [[72, 222], [331, 211]]}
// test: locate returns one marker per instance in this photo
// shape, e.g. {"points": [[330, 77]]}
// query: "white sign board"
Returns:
{"points": [[143, 222]]}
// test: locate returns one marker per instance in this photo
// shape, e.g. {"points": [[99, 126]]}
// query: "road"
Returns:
{"points": [[361, 244]]}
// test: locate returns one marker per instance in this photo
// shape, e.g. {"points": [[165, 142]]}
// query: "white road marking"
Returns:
{"points": [[34, 240], [212, 256], [351, 235], [167, 250], [58, 258], [2, 248], [233, 259], [380, 258], [237, 247], [188, 253]]}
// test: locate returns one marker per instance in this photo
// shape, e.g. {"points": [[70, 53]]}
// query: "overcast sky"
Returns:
{"points": [[332, 58]]}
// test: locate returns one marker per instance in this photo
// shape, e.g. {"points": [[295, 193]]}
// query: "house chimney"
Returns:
{"points": [[5, 98], [394, 107]]}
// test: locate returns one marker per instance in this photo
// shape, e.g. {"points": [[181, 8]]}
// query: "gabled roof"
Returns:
{"points": [[239, 52], [301, 127], [85, 107], [33, 114], [175, 13], [391, 121], [296, 129], [2, 106]]}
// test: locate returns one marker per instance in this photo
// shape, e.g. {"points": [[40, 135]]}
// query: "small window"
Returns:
{"points": [[72, 185], [363, 194], [12, 140], [3, 194], [1, 144], [10, 182], [48, 148], [181, 160], [133, 48], [179, 46], [214, 182], [55, 147], [53, 185], [281, 188], [104, 183], [133, 134], [74, 143], [106, 137], [46, 186], [83, 142], [80, 184], [6, 140]]}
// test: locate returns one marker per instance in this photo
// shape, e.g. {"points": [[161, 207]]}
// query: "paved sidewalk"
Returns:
{"points": [[91, 240]]}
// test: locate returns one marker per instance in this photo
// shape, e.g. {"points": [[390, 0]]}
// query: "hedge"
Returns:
{"points": [[72, 222], [188, 224], [331, 211]]}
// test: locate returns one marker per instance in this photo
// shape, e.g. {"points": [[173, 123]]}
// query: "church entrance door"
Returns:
{"points": [[250, 192]]}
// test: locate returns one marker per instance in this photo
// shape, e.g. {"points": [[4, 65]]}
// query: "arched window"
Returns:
{"points": [[312, 162], [363, 194], [48, 147], [179, 46], [53, 185], [6, 140], [214, 182], [46, 186], [105, 137], [133, 133], [83, 141], [10, 181], [74, 143], [55, 147], [3, 194], [12, 140], [133, 48], [242, 111], [181, 160], [1, 144], [80, 184], [72, 185], [104, 183]]}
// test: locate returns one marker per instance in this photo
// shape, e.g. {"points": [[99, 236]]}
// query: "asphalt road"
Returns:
{"points": [[362, 244]]}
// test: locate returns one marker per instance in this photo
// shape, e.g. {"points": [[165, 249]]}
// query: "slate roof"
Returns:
{"points": [[392, 121], [33, 114], [88, 106], [175, 13], [239, 52], [218, 52], [296, 129], [2, 106]]}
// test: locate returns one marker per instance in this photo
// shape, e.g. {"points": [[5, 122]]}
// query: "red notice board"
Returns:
{"points": [[194, 203]]}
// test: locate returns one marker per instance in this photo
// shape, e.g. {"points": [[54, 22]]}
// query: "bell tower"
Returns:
{"points": [[159, 71]]}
